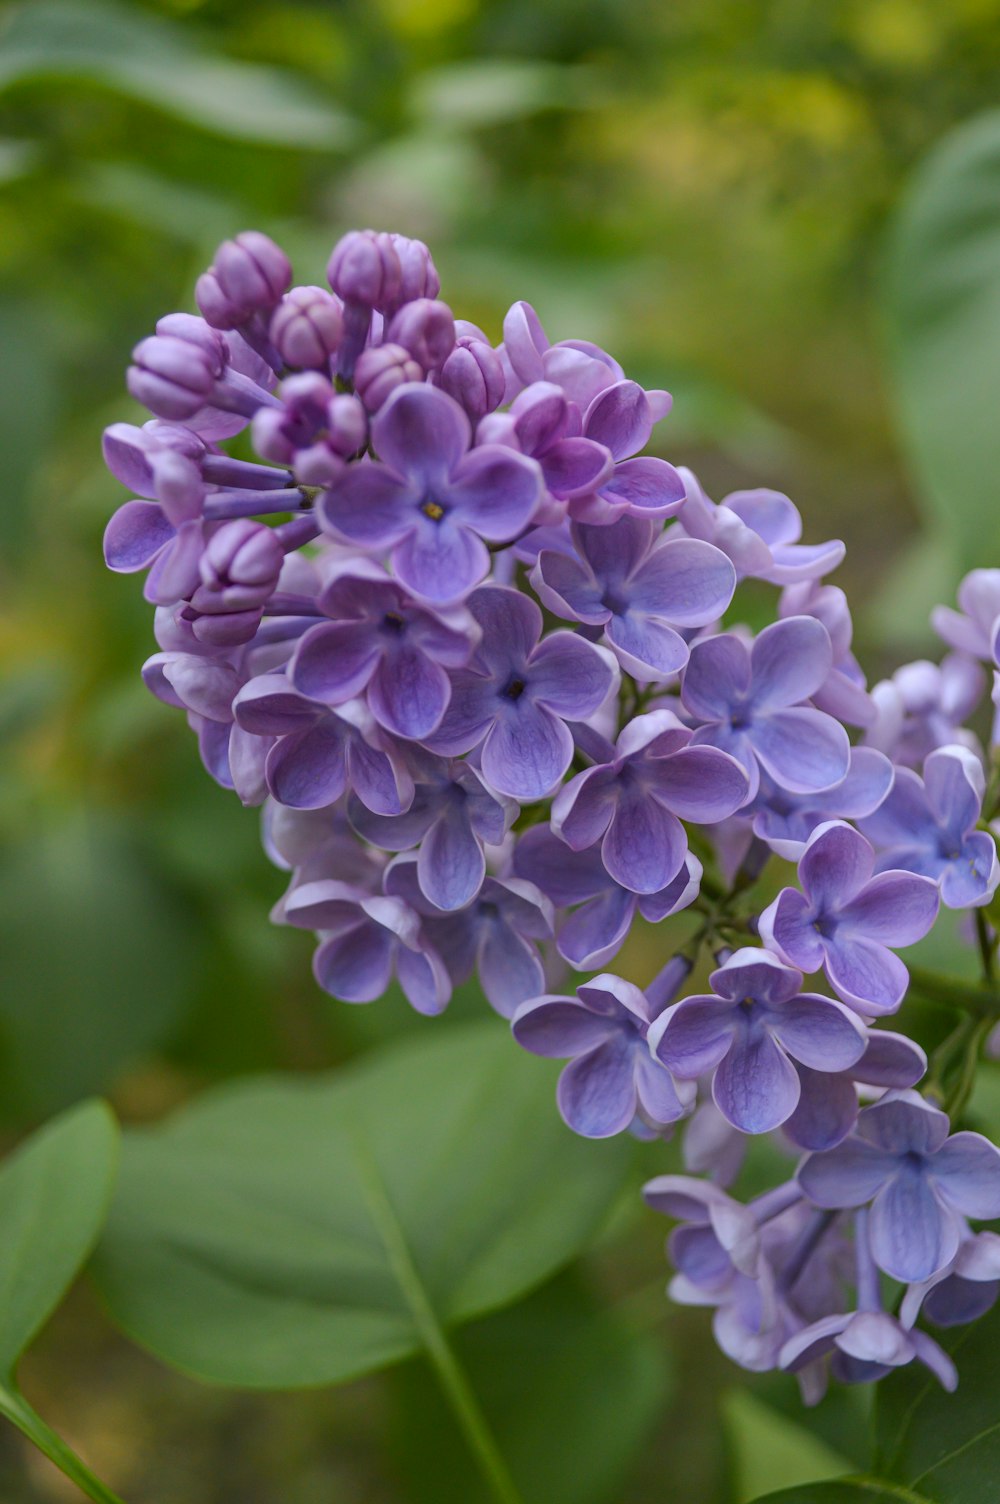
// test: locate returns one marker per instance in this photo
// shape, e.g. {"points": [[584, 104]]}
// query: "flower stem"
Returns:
{"points": [[17, 1410]]}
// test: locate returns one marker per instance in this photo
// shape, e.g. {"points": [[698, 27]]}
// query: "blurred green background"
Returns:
{"points": [[703, 186]]}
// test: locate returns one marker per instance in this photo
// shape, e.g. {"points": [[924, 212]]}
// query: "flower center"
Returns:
{"points": [[513, 689], [432, 509], [393, 624]]}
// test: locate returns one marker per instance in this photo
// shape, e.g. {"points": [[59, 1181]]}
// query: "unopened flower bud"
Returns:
{"points": [[307, 327], [248, 276], [380, 370], [239, 567], [172, 377], [426, 328], [419, 277], [365, 268], [473, 374]]}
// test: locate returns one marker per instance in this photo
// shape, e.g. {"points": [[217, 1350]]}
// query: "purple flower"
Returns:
{"points": [[922, 1183], [493, 937], [451, 817], [845, 919], [426, 328], [639, 588], [582, 369], [363, 939], [429, 501], [844, 695], [929, 826], [318, 753], [314, 429], [634, 803], [972, 629], [612, 1074], [473, 374], [828, 1106], [306, 328], [248, 276], [786, 821], [759, 530], [597, 929], [387, 645], [749, 703], [962, 1292], [517, 695], [621, 419], [745, 1032], [922, 707]]}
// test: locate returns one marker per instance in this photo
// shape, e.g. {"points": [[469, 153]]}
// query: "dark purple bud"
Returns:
{"points": [[195, 331], [426, 328], [172, 374], [307, 327], [419, 274], [474, 376], [239, 568], [248, 276], [365, 268], [380, 370]]}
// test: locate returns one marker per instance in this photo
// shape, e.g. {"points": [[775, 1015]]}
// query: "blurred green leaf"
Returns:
{"points": [[156, 63], [492, 91], [54, 1193], [945, 1447], [847, 1491], [769, 1450], [28, 414], [943, 308], [96, 956], [570, 1389], [285, 1233]]}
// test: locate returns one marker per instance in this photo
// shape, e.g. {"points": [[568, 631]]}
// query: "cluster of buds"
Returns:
{"points": [[464, 642]]}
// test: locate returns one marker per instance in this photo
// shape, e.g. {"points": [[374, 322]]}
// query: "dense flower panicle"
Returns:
{"points": [[472, 651]]}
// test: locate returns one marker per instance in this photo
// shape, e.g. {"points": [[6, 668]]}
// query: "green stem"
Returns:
{"points": [[442, 1357], [17, 1410], [951, 993]]}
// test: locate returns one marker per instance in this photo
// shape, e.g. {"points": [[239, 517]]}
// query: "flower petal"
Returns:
{"points": [[848, 1175], [409, 693], [803, 749], [421, 431], [717, 677], [596, 1093], [896, 908], [966, 1172], [818, 1032], [685, 581], [645, 845], [912, 1235], [755, 1087], [560, 1027], [526, 752], [440, 561], [307, 769], [495, 491], [695, 1037]]}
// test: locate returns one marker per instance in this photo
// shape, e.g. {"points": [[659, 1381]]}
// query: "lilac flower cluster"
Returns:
{"points": [[468, 646]]}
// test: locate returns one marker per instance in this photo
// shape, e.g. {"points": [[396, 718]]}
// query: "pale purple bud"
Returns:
{"points": [[474, 376], [172, 376], [307, 327], [380, 370], [426, 328], [195, 331], [347, 425], [365, 268], [239, 567], [248, 276], [419, 277]]}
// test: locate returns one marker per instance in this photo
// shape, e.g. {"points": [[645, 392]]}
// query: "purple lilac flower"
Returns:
{"points": [[759, 531], [921, 1182], [639, 587], [473, 373], [518, 693], [603, 911], [749, 702], [786, 821], [602, 1031], [922, 707], [963, 1291], [928, 826], [451, 817], [845, 919], [493, 937], [582, 369], [244, 282], [544, 424], [318, 753], [867, 1343], [363, 939], [973, 628], [634, 802], [845, 694], [429, 500], [315, 429], [382, 644], [828, 1105], [621, 419], [318, 843], [747, 1034], [307, 327]]}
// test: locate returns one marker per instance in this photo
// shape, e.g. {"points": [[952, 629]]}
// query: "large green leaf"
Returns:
{"points": [[97, 957], [54, 1193], [283, 1233], [943, 310], [150, 60], [768, 1449], [946, 1447], [845, 1491], [559, 1376]]}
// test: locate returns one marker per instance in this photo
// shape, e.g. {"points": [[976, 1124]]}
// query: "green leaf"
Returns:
{"points": [[149, 60], [946, 1447], [492, 91], [768, 1449], [283, 1233], [943, 310], [845, 1491], [97, 957], [54, 1193], [559, 1376]]}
